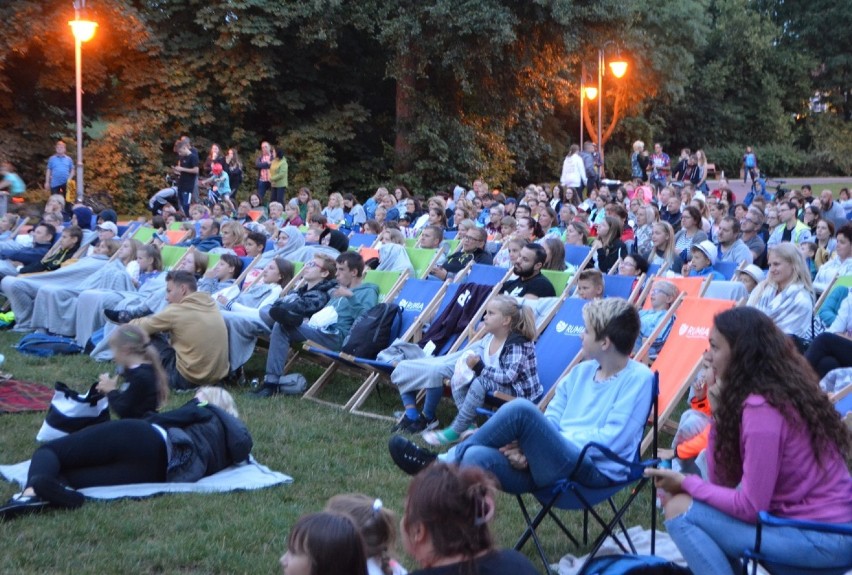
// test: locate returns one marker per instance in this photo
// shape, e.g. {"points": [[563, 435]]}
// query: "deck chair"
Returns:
{"points": [[680, 357], [483, 274], [753, 556], [625, 287], [727, 269], [692, 287], [842, 400], [570, 495], [175, 226], [417, 298], [368, 253], [422, 260], [171, 255], [358, 240], [732, 290], [144, 234], [127, 231], [560, 280], [578, 256], [558, 349], [411, 242], [176, 236], [837, 282], [386, 280]]}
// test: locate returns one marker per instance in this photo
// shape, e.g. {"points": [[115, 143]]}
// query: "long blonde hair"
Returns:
{"points": [[788, 252], [523, 318], [135, 341], [669, 251]]}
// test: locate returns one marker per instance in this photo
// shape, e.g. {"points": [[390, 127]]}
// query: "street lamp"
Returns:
{"points": [[618, 67], [83, 31]]}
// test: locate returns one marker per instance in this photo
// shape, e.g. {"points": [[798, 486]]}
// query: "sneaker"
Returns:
{"points": [[119, 316], [438, 438], [268, 390], [22, 505], [412, 426], [407, 456], [50, 489]]}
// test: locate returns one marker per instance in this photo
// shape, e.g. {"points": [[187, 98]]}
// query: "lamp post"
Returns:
{"points": [[83, 31], [618, 67]]}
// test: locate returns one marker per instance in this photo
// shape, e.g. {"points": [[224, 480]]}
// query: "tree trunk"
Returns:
{"points": [[405, 87]]}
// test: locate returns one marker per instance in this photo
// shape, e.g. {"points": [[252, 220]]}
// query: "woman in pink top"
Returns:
{"points": [[776, 444]]}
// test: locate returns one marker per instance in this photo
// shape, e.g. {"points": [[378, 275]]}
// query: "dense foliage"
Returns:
{"points": [[370, 92]]}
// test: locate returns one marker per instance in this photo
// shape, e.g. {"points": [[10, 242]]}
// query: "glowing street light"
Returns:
{"points": [[618, 67], [83, 31], [591, 92]]}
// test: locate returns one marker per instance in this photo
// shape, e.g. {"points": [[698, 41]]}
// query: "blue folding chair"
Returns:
{"points": [[727, 269], [450, 235], [485, 275], [753, 557], [568, 494], [270, 245]]}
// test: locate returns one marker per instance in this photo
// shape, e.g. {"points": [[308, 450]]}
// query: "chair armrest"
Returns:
{"points": [[769, 520], [635, 467]]}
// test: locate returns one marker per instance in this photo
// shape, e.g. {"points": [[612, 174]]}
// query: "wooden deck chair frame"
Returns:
{"points": [[348, 363], [22, 221], [471, 328], [836, 281], [412, 335], [324, 360], [642, 354], [672, 392]]}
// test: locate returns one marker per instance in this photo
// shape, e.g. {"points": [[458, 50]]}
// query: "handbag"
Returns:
{"points": [[71, 411]]}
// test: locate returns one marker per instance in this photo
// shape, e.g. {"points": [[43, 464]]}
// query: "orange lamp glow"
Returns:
{"points": [[591, 92], [83, 30], [618, 67]]}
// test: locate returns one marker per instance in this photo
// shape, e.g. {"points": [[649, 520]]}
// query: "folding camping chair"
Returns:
{"points": [[680, 358], [568, 494], [754, 556]]}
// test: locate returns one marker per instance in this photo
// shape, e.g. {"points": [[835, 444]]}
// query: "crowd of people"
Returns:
{"points": [[194, 326]]}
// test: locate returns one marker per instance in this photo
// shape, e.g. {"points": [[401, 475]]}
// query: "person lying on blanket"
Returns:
{"points": [[201, 438], [603, 400]]}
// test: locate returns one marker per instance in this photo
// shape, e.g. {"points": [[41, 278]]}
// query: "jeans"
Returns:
{"points": [[829, 351], [279, 346], [712, 542], [168, 357], [111, 453], [278, 195], [551, 457], [262, 188]]}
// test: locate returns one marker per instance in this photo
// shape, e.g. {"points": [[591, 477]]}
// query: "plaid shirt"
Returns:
{"points": [[518, 368]]}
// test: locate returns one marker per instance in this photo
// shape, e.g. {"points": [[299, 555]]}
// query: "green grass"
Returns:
{"points": [[325, 450]]}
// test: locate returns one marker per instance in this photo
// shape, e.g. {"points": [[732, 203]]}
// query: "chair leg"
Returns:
{"points": [[530, 531], [565, 529]]}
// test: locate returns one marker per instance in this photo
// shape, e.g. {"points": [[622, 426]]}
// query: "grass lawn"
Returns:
{"points": [[325, 450]]}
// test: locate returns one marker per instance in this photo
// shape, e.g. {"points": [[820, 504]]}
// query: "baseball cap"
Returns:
{"points": [[108, 226]]}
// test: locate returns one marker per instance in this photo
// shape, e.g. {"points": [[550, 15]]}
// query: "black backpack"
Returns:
{"points": [[373, 331]]}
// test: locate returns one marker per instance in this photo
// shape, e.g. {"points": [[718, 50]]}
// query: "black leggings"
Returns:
{"points": [[112, 453], [829, 351]]}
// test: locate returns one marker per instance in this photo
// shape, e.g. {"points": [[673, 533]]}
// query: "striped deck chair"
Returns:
{"points": [[680, 358], [418, 300]]}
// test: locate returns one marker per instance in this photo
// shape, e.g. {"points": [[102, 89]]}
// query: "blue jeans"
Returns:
{"points": [[551, 457], [279, 346], [712, 542]]}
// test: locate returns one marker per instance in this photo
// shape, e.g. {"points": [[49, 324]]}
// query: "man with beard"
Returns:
{"points": [[529, 284]]}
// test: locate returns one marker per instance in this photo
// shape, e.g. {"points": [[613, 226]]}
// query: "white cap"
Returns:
{"points": [[755, 272], [708, 248], [108, 226]]}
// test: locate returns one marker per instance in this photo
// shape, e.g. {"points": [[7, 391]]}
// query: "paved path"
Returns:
{"points": [[740, 189]]}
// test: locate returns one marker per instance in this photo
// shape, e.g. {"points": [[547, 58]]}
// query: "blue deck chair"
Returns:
{"points": [[752, 557], [577, 256], [727, 269], [654, 269], [618, 286], [484, 274], [569, 495], [558, 349], [416, 298], [450, 235], [270, 245], [359, 240]]}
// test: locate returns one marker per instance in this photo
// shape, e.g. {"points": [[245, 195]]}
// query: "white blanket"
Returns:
{"points": [[251, 475]]}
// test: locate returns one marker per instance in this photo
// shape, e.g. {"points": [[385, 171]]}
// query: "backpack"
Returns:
{"points": [[589, 164], [633, 565], [44, 345], [373, 331]]}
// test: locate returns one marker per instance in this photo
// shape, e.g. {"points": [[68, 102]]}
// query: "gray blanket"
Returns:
{"points": [[243, 331], [22, 290], [55, 305]]}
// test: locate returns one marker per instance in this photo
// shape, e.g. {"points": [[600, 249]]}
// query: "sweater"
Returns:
{"points": [[137, 397], [611, 412], [363, 297], [781, 474], [197, 334]]}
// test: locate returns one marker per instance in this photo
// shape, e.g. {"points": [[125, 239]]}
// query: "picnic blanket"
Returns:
{"points": [[17, 396], [245, 476]]}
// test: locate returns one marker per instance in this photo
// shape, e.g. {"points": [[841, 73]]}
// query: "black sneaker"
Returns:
{"points": [[408, 456], [413, 426], [22, 505], [268, 390], [50, 489]]}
